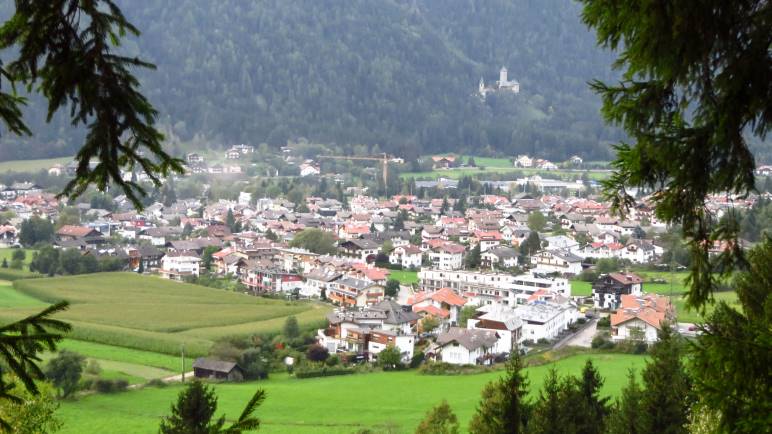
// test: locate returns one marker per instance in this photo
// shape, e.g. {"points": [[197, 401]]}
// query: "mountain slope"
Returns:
{"points": [[401, 74]]}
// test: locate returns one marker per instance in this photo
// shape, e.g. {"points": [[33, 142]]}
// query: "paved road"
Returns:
{"points": [[583, 338]]}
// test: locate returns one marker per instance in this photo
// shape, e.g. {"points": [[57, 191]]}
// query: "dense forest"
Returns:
{"points": [[398, 73]]}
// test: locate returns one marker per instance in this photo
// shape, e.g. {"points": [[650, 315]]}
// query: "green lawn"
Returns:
{"points": [[125, 355], [11, 298], [581, 288], [152, 314], [327, 405], [686, 315], [31, 165], [405, 277], [7, 254]]}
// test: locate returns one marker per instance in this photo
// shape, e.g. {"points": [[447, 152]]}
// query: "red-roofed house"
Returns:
{"points": [[443, 303], [640, 317]]}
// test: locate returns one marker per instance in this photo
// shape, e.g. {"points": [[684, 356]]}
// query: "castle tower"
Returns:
{"points": [[482, 86], [503, 76]]}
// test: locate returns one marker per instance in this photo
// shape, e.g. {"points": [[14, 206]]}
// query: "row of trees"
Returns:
{"points": [[51, 261]]}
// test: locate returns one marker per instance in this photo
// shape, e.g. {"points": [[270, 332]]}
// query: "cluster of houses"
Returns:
{"points": [[517, 299]]}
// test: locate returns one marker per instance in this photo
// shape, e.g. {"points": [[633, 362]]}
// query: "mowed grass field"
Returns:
{"points": [[500, 165], [346, 404], [404, 277], [31, 165], [152, 314]]}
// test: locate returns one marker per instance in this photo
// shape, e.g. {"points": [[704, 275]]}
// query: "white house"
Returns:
{"points": [[640, 317], [500, 257], [178, 267], [447, 256], [408, 256], [523, 161], [556, 261], [544, 320], [465, 346], [309, 170], [382, 339], [503, 321]]}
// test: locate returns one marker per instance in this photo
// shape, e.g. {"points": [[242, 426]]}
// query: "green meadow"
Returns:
{"points": [[489, 165], [31, 165], [404, 277], [151, 314], [394, 401]]}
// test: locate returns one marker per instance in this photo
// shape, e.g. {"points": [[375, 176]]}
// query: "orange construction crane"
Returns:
{"points": [[383, 158]]}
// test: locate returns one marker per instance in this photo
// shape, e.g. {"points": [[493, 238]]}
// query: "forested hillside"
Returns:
{"points": [[398, 73]]}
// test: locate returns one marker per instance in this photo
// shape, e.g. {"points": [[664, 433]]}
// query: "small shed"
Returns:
{"points": [[217, 369]]}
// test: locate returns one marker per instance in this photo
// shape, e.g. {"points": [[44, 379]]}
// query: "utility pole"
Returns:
{"points": [[182, 362]]}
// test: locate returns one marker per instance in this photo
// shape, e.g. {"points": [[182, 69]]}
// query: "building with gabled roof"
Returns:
{"points": [[640, 317], [461, 346]]}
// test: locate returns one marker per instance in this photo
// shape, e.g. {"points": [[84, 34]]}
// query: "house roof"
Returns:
{"points": [[75, 231], [650, 308], [471, 339], [215, 365], [444, 295], [626, 278]]}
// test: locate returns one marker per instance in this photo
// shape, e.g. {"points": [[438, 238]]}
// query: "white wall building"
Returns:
{"points": [[179, 267], [544, 320]]}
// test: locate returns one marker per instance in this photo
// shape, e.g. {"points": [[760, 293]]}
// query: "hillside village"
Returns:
{"points": [[472, 279]]}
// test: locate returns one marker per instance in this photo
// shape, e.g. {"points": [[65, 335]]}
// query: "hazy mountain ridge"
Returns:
{"points": [[401, 74]]}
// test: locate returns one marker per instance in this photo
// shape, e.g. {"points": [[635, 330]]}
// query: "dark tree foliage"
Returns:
{"points": [[666, 398], [594, 408], [695, 82], [439, 420], [36, 230], [317, 353], [65, 371], [473, 257], [315, 240], [409, 70], [392, 288], [549, 410], [626, 416], [504, 408], [67, 50], [195, 407], [531, 245], [21, 344], [732, 361], [291, 328]]}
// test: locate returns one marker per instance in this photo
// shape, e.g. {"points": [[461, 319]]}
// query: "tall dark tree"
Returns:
{"points": [[666, 398], [549, 410], [626, 414], [473, 258], [531, 245], [36, 230], [439, 420], [68, 51], [694, 87], [504, 408], [594, 408], [732, 361]]}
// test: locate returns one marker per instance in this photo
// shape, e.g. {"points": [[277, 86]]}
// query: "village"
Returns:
{"points": [[471, 282]]}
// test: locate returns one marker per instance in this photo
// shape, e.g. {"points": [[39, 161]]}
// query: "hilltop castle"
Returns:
{"points": [[502, 85]]}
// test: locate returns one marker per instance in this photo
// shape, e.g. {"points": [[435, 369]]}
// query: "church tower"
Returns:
{"points": [[503, 76], [482, 87]]}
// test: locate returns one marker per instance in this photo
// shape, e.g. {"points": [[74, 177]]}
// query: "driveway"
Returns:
{"points": [[583, 338]]}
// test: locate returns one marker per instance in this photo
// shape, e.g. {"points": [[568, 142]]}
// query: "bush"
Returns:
{"points": [[581, 321], [102, 385], [156, 382], [322, 371], [333, 360], [317, 353], [417, 359], [602, 342], [604, 322], [444, 368]]}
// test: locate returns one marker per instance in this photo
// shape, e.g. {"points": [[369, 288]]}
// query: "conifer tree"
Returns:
{"points": [[439, 420], [549, 410], [504, 408], [664, 403], [625, 416]]}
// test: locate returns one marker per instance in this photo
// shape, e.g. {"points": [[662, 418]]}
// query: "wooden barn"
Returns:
{"points": [[217, 369]]}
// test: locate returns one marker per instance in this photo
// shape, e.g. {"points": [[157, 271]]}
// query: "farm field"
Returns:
{"points": [[151, 314], [404, 277], [31, 165], [343, 404]]}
